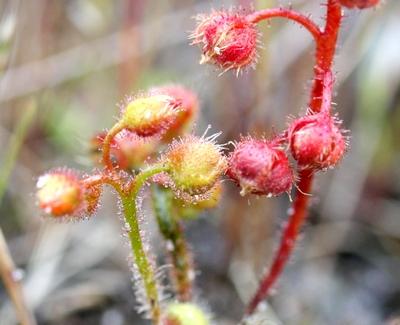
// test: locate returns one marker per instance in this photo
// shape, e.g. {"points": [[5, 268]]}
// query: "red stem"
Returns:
{"points": [[296, 220], [320, 99], [325, 52], [306, 22]]}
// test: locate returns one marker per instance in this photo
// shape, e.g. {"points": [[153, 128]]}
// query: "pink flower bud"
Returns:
{"points": [[260, 167], [316, 141], [360, 4], [227, 39]]}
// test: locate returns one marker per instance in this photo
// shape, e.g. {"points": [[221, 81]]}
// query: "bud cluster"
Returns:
{"points": [[262, 167], [191, 167]]}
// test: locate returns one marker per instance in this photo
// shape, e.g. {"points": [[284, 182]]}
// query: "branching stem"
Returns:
{"points": [[297, 17], [143, 264]]}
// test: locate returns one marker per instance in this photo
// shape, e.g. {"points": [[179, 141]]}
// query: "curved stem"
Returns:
{"points": [[297, 17], [118, 127], [143, 263], [172, 230], [296, 220]]}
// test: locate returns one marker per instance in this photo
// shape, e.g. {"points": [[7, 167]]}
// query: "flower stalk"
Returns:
{"points": [[142, 261], [325, 51], [172, 230]]}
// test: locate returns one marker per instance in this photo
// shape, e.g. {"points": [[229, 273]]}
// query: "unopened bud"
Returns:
{"points": [[227, 39], [149, 115], [60, 193], [316, 141], [195, 164], [260, 167]]}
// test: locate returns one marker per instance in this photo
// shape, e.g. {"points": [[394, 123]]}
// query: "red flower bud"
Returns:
{"points": [[360, 4], [227, 39], [316, 141], [260, 167], [186, 101]]}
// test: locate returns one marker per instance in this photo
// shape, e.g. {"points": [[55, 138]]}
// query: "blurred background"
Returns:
{"points": [[69, 63]]}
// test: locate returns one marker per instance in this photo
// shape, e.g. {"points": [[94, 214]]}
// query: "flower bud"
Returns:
{"points": [[227, 39], [360, 4], [316, 142], [128, 150], [195, 164], [260, 167], [188, 105], [184, 314], [60, 193], [149, 115]]}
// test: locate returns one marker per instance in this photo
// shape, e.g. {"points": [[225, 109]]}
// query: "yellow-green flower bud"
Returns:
{"points": [[149, 115], [195, 164]]}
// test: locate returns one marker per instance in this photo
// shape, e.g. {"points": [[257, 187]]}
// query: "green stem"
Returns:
{"points": [[172, 230], [143, 264]]}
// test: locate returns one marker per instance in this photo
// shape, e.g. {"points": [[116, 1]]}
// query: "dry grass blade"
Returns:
{"points": [[8, 272]]}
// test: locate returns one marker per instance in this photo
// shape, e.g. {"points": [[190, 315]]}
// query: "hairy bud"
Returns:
{"points": [[316, 142], [188, 105], [149, 115], [227, 39], [360, 4], [184, 314], [195, 164], [60, 193], [260, 167]]}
